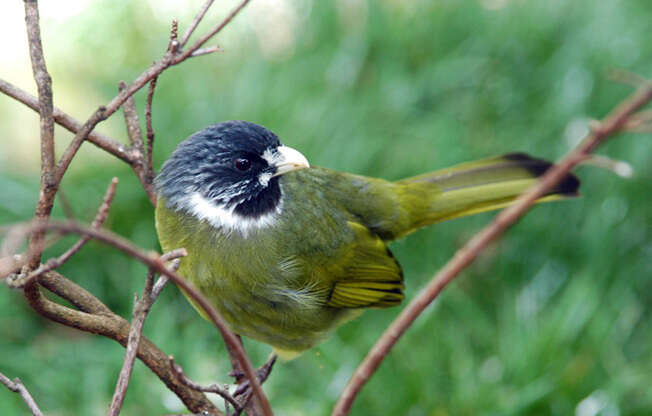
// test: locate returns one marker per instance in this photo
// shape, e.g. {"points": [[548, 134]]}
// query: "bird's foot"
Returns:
{"points": [[244, 388]]}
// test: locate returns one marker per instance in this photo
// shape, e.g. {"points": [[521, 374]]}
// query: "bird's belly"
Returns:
{"points": [[276, 315]]}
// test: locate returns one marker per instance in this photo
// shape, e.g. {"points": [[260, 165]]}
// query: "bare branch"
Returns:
{"points": [[70, 152], [52, 264], [188, 52], [619, 167], [610, 125], [131, 120], [194, 23], [206, 51], [44, 86], [222, 391], [73, 293], [169, 58], [140, 312], [100, 319], [68, 211], [17, 386], [154, 262], [133, 342], [150, 130], [106, 143], [96, 318]]}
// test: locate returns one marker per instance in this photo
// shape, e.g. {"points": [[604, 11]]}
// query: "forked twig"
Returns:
{"points": [[195, 22], [17, 386], [93, 315], [155, 263], [211, 388], [106, 143], [54, 263], [140, 312]]}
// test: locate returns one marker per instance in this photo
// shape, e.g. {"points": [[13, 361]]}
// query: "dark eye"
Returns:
{"points": [[242, 164]]}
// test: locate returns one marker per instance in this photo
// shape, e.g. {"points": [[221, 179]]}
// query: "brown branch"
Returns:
{"points": [[171, 57], [188, 52], [17, 386], [51, 176], [212, 388], [75, 294], [43, 81], [154, 262], [100, 217], [140, 312], [70, 152], [44, 87], [131, 120], [610, 125], [150, 130], [195, 22], [68, 211], [100, 140], [115, 327], [206, 51]]}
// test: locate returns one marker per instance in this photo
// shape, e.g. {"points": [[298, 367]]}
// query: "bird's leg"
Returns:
{"points": [[262, 373]]}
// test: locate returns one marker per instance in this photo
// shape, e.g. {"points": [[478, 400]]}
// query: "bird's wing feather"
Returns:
{"points": [[371, 275]]}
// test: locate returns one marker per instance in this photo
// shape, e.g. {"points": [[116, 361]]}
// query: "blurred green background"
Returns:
{"points": [[552, 320]]}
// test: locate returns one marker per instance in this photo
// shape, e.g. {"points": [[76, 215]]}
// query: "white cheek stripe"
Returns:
{"points": [[226, 219], [264, 178]]}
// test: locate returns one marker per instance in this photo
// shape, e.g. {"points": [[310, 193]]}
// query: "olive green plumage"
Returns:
{"points": [[325, 257]]}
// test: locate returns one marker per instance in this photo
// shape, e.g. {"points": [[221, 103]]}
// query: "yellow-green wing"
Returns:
{"points": [[371, 276]]}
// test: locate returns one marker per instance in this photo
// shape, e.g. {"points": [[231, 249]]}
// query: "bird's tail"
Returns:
{"points": [[483, 185]]}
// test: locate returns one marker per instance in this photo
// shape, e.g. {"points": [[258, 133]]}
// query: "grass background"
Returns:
{"points": [[552, 320]]}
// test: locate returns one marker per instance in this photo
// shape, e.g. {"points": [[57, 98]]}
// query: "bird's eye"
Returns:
{"points": [[242, 164]]}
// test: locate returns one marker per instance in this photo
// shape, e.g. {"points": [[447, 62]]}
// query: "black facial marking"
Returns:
{"points": [[223, 163]]}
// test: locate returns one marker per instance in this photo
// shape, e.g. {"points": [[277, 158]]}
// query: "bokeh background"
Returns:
{"points": [[552, 320]]}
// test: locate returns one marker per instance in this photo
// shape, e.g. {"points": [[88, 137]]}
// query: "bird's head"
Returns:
{"points": [[228, 174]]}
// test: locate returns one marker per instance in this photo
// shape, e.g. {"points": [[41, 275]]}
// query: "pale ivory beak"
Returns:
{"points": [[287, 159]]}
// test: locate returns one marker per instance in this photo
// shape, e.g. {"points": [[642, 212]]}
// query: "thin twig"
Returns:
{"points": [[140, 312], [194, 23], [100, 140], [150, 130], [212, 388], [168, 59], [17, 386], [70, 152], [206, 51], [619, 167], [188, 52], [44, 87], [68, 211], [131, 120], [43, 81], [96, 318], [100, 217], [154, 262], [610, 125]]}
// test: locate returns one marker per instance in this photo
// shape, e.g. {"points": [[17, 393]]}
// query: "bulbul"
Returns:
{"points": [[286, 251]]}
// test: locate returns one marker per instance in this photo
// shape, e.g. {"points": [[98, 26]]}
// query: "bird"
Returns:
{"points": [[286, 251]]}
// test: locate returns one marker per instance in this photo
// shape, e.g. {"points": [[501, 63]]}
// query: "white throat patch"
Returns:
{"points": [[226, 219]]}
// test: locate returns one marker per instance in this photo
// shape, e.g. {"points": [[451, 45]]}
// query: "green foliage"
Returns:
{"points": [[554, 319]]}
